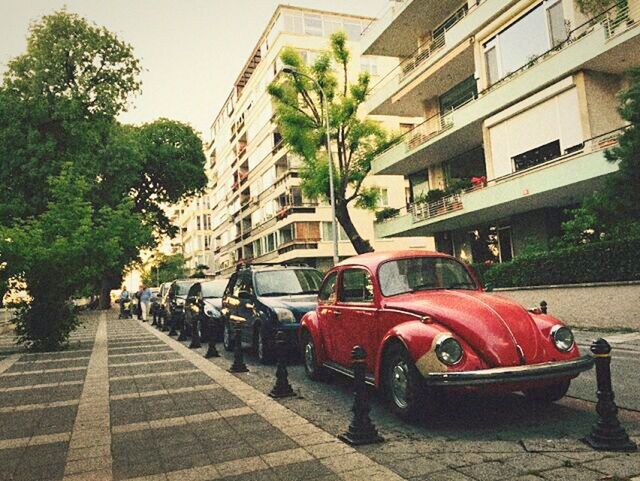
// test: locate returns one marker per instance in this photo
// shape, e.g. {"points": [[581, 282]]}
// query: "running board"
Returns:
{"points": [[369, 379]]}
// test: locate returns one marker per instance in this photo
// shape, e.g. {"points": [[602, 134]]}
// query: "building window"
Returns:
{"points": [[457, 96], [293, 23], [383, 197], [313, 24], [418, 184], [541, 29], [536, 156], [353, 30], [369, 65], [270, 242], [198, 225], [327, 232]]}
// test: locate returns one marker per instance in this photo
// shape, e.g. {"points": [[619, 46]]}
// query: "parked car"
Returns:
{"points": [[427, 325], [176, 299], [266, 298], [203, 306]]}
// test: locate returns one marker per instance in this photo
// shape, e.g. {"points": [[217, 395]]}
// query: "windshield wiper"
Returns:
{"points": [[275, 294], [310, 291]]}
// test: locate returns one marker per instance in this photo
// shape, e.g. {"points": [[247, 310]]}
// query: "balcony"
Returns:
{"points": [[605, 43], [556, 182]]}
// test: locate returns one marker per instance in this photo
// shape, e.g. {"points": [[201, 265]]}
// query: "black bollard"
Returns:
{"points": [[607, 434], [238, 356], [195, 334], [282, 388], [361, 430], [543, 307], [209, 336], [172, 324], [183, 330]]}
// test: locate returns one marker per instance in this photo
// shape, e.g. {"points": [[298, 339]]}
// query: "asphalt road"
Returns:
{"points": [[625, 368]]}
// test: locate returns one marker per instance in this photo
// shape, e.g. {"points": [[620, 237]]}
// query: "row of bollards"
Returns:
{"points": [[607, 434]]}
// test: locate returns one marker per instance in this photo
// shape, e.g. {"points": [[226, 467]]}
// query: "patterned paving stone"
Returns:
{"points": [[24, 424], [39, 396], [44, 378], [167, 366], [33, 463], [38, 365]]}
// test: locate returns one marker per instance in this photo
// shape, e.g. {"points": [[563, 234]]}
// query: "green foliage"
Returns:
{"points": [[81, 194], [300, 114], [605, 261], [594, 7], [614, 211], [387, 213], [164, 268]]}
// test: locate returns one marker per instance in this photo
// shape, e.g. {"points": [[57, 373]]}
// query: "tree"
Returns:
{"points": [[59, 135], [614, 211], [164, 268], [355, 141]]}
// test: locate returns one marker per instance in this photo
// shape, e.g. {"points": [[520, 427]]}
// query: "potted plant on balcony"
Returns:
{"points": [[387, 213]]}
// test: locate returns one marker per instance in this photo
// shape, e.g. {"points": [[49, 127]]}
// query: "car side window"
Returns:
{"points": [[327, 293], [356, 286]]}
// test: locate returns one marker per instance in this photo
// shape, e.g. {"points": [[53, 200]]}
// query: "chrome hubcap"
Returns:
{"points": [[308, 357], [399, 384]]}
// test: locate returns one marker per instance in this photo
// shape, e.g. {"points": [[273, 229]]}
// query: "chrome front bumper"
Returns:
{"points": [[516, 374]]}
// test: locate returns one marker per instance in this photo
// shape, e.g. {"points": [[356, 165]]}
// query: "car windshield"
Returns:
{"points": [[214, 288], [182, 289], [423, 273], [287, 282]]}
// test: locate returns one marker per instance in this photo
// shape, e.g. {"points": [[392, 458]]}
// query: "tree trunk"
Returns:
{"points": [[105, 294], [344, 218]]}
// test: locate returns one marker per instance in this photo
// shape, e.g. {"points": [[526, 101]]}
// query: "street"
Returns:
{"points": [[625, 365], [125, 401]]}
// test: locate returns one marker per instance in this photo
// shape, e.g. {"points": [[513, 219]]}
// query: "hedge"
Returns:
{"points": [[606, 261]]}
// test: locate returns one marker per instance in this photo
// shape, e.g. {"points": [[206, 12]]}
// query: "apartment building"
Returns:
{"points": [[518, 105], [254, 209], [194, 237]]}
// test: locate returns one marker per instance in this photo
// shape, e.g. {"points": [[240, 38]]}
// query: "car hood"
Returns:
{"points": [[499, 330], [299, 305]]}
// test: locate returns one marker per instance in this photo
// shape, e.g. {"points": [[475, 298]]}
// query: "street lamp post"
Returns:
{"points": [[332, 199]]}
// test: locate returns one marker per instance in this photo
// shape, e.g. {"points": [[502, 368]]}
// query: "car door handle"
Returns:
{"points": [[337, 313]]}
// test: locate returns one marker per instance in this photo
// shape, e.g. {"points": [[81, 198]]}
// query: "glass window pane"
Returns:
{"points": [[491, 59], [313, 24], [353, 30], [328, 288], [356, 286], [557, 28], [523, 41]]}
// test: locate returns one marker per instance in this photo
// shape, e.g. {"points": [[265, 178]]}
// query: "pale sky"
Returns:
{"points": [[191, 50]]}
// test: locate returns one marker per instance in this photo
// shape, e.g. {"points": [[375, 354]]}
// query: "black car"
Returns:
{"points": [[163, 305], [203, 306], [176, 299], [265, 299]]}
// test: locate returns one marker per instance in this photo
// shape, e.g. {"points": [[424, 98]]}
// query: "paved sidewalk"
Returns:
{"points": [[128, 402]]}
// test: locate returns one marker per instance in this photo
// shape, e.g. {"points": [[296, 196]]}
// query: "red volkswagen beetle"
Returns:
{"points": [[427, 324]]}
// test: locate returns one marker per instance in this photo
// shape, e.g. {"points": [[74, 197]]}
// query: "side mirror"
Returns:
{"points": [[488, 287], [244, 296]]}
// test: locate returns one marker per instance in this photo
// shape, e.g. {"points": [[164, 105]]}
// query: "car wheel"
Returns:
{"points": [[227, 337], [402, 384], [548, 394], [261, 346], [309, 358]]}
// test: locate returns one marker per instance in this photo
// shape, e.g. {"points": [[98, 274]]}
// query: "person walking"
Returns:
{"points": [[138, 310], [124, 296], [145, 300]]}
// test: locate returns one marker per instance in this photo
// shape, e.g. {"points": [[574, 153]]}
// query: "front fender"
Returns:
{"points": [[311, 324], [419, 339]]}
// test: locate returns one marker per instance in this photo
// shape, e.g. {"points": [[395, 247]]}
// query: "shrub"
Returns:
{"points": [[595, 262], [387, 213]]}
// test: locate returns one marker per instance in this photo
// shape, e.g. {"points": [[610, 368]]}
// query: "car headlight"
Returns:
{"points": [[562, 338], [179, 302], [284, 315], [449, 351]]}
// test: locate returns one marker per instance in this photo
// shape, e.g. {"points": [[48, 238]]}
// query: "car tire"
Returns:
{"points": [[309, 359], [261, 346], [227, 337], [548, 394], [402, 384]]}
